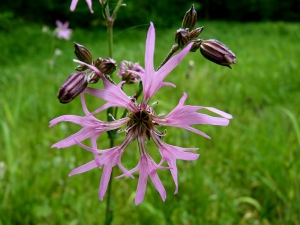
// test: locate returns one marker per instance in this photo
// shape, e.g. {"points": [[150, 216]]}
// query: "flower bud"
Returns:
{"points": [[81, 67], [190, 18], [182, 37], [93, 78], [127, 76], [106, 66], [217, 52], [196, 45], [72, 87], [82, 53], [195, 33]]}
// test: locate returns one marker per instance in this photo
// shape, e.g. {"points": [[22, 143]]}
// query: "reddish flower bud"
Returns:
{"points": [[81, 67], [106, 66], [72, 87], [82, 53], [182, 37], [93, 78], [195, 33], [217, 52], [127, 76], [196, 45], [190, 19]]}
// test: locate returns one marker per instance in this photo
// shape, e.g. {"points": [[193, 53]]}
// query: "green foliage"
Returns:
{"points": [[246, 174], [163, 13]]}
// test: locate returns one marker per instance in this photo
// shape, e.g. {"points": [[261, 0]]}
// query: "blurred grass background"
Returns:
{"points": [[248, 173]]}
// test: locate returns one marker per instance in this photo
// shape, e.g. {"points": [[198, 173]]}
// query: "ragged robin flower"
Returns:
{"points": [[141, 124], [62, 30], [125, 74]]}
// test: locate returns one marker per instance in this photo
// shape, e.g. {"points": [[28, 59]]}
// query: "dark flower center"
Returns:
{"points": [[141, 122]]}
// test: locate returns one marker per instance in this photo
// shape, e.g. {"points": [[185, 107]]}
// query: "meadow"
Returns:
{"points": [[247, 173]]}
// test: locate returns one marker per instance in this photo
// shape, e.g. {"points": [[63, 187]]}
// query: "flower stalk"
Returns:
{"points": [[110, 111]]}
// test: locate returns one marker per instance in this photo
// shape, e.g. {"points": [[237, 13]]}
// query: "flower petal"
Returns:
{"points": [[219, 112], [104, 181], [89, 3], [114, 96], [171, 153], [83, 121], [158, 184], [79, 136], [173, 62], [59, 23], [142, 184], [153, 80], [73, 5], [184, 116], [86, 167]]}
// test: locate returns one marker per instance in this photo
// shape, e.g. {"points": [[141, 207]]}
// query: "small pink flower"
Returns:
{"points": [[125, 74], [62, 30], [74, 4], [141, 124]]}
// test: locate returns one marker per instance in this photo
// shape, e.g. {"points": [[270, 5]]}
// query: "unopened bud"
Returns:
{"points": [[196, 45], [182, 37], [106, 66], [127, 76], [93, 78], [82, 53], [81, 67], [195, 33], [190, 18], [217, 52], [72, 87]]}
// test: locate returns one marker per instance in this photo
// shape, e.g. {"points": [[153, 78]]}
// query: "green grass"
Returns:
{"points": [[248, 172]]}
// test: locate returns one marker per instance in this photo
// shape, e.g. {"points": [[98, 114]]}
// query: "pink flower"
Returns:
{"points": [[128, 77], [141, 124], [108, 159], [74, 4], [62, 30]]}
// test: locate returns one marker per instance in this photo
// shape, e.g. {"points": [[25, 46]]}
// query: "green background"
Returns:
{"points": [[247, 173]]}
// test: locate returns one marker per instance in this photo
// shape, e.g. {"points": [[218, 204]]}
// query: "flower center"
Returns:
{"points": [[141, 123]]}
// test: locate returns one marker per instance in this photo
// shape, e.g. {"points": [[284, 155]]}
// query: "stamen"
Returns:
{"points": [[129, 128], [110, 115], [133, 99], [155, 123], [154, 103], [160, 134]]}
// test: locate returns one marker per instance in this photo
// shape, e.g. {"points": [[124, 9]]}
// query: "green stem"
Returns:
{"points": [[114, 15], [139, 91], [172, 51], [109, 206], [110, 23]]}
